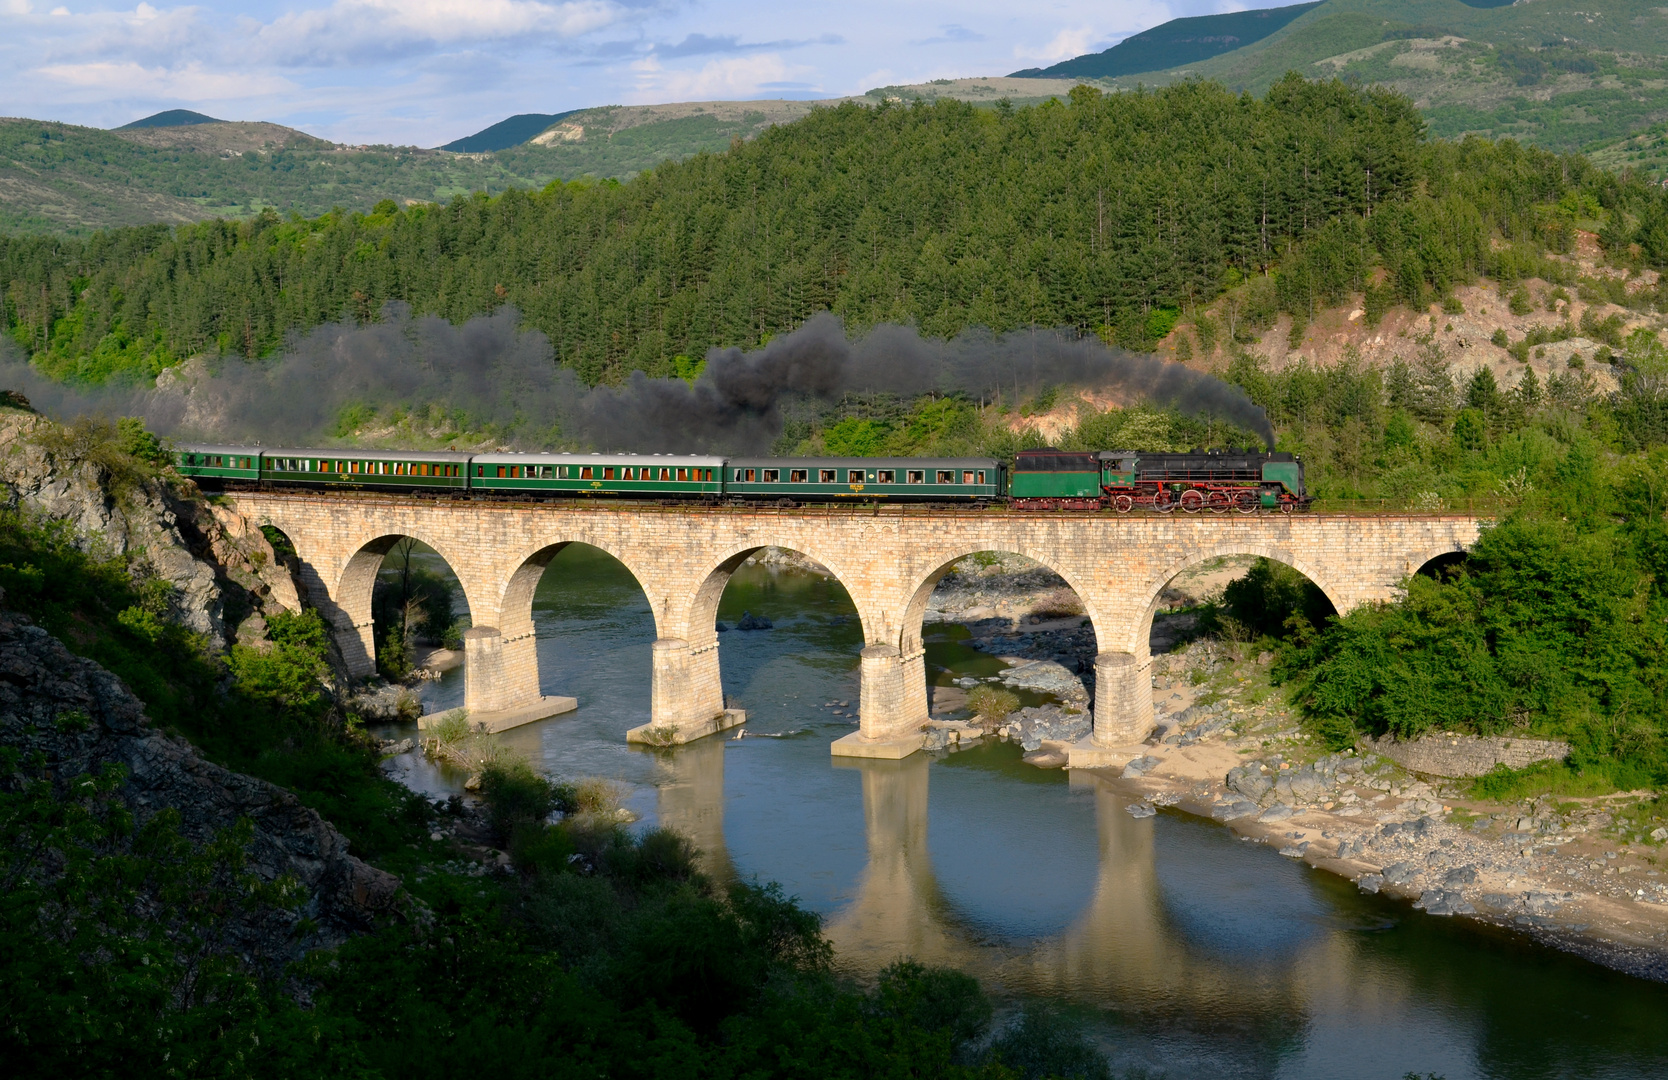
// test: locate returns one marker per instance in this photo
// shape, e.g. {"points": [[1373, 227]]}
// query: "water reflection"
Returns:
{"points": [[1200, 954]]}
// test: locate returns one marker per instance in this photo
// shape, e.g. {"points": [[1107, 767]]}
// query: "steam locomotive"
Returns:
{"points": [[1045, 479]]}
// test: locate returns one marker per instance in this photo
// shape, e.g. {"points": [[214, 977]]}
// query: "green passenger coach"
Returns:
{"points": [[840, 478], [206, 462], [599, 474], [384, 469]]}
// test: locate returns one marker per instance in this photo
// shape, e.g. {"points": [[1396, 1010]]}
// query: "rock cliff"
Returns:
{"points": [[220, 566], [41, 681]]}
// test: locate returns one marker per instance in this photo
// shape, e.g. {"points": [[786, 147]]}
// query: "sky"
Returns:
{"points": [[424, 72]]}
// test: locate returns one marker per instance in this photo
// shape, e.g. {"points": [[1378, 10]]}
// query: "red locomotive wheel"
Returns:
{"points": [[1246, 502], [1123, 504], [1220, 501], [1192, 500], [1163, 502]]}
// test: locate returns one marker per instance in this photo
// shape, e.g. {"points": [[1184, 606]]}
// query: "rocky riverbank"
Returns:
{"points": [[1583, 875]]}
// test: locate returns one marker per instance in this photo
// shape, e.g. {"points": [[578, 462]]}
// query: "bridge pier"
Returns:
{"points": [[1123, 698], [358, 644], [501, 682], [892, 705], [686, 696]]}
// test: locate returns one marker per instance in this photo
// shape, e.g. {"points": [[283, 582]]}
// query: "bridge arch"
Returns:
{"points": [[911, 645], [350, 600], [687, 665], [504, 653], [1148, 599], [703, 606], [1435, 557]]}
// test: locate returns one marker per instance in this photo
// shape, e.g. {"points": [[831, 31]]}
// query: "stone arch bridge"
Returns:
{"points": [[889, 560]]}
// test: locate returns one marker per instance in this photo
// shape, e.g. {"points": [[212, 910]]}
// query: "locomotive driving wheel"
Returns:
{"points": [[1192, 500], [1164, 502], [1246, 502], [1219, 502]]}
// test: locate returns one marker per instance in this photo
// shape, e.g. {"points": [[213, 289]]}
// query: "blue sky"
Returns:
{"points": [[427, 71]]}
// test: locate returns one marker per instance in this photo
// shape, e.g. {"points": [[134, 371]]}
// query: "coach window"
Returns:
{"points": [[981, 476], [772, 476], [946, 476], [854, 476], [828, 476], [796, 476], [967, 477], [887, 476], [608, 472], [916, 476]]}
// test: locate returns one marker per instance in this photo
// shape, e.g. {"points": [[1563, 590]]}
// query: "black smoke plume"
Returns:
{"points": [[736, 403], [493, 375]]}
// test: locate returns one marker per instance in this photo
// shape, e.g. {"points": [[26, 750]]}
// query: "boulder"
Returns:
{"points": [[1250, 781]]}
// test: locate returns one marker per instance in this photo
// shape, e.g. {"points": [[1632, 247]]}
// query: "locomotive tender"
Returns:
{"points": [[1044, 479]]}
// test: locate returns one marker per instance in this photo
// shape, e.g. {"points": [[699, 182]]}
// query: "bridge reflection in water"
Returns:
{"points": [[1133, 937], [1175, 926]]}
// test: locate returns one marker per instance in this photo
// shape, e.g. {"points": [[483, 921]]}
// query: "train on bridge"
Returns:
{"points": [[1245, 481]]}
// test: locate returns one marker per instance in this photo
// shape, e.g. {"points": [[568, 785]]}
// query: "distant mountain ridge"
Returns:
{"points": [[171, 118], [1179, 41]]}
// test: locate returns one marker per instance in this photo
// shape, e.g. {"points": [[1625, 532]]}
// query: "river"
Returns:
{"points": [[1189, 952]]}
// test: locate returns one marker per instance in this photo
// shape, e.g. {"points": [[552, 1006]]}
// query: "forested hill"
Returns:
{"points": [[1104, 214]]}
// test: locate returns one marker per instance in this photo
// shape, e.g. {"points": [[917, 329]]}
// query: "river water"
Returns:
{"points": [[1189, 952]]}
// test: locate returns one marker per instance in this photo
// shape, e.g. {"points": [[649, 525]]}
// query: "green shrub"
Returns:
{"points": [[1046, 1045], [991, 703], [516, 795], [1274, 600]]}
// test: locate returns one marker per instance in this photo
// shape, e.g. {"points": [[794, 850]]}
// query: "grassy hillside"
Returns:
{"points": [[1561, 78]]}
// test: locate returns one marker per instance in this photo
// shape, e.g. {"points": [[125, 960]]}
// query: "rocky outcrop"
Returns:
{"points": [[41, 681], [218, 563]]}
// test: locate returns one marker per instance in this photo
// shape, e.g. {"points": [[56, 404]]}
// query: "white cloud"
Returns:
{"points": [[190, 83], [426, 71], [1073, 41], [730, 78], [350, 29]]}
